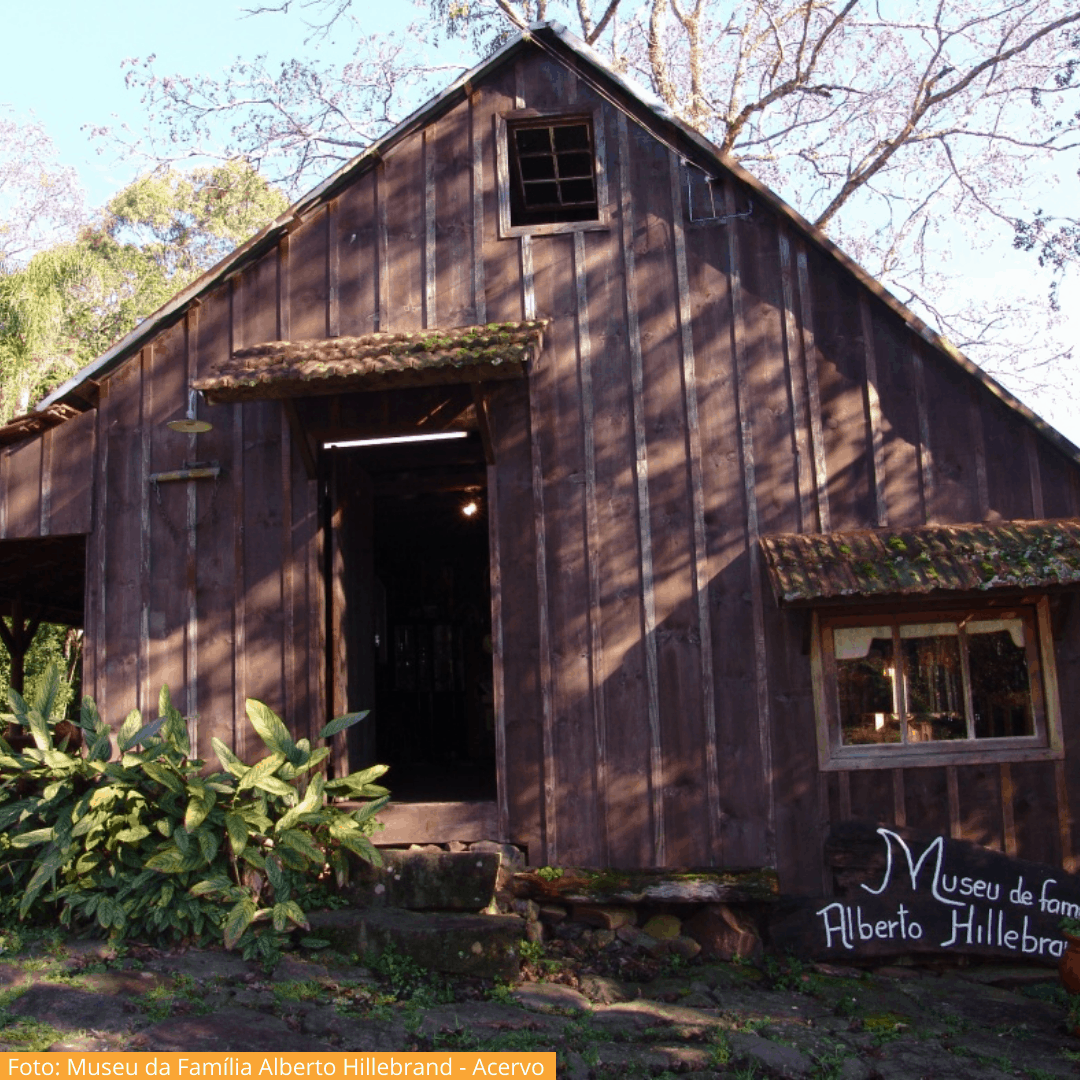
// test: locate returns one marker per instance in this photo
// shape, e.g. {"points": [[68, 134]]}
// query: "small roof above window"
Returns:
{"points": [[931, 558], [280, 369]]}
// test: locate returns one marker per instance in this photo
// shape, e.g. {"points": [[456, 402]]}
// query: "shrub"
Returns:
{"points": [[148, 846]]}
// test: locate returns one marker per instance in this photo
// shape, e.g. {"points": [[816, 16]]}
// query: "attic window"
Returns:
{"points": [[553, 177], [550, 172]]}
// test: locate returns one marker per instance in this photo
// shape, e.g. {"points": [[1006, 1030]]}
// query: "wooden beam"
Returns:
{"points": [[300, 438], [483, 421]]}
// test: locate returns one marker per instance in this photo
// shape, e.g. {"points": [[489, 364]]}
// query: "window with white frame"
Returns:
{"points": [[930, 687]]}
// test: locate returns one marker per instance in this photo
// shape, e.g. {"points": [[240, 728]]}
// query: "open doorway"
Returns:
{"points": [[412, 532]]}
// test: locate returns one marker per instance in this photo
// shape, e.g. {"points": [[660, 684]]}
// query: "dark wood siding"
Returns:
{"points": [[703, 384]]}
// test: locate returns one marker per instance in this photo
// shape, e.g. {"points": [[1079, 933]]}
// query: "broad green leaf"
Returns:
{"points": [[369, 810], [362, 846], [253, 858], [274, 873], [128, 729], [32, 838], [209, 842], [289, 912], [89, 720], [105, 912], [163, 775], [271, 730], [133, 835], [229, 761], [47, 692], [200, 803], [302, 843], [39, 728], [237, 921], [146, 733], [182, 839], [237, 829], [312, 800], [49, 863], [292, 859], [341, 723], [210, 886], [169, 861], [267, 767], [276, 787]]}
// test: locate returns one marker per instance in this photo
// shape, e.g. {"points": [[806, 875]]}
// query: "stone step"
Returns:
{"points": [[428, 881], [607, 886], [486, 946]]}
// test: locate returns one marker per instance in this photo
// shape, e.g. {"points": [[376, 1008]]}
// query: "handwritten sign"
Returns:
{"points": [[898, 892]]}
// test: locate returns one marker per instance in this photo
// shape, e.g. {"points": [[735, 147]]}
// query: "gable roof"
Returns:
{"points": [[638, 103]]}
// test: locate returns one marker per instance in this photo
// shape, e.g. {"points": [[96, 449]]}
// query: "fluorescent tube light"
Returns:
{"points": [[349, 443]]}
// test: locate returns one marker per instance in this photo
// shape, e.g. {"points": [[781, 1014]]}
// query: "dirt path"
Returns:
{"points": [[894, 1023]]}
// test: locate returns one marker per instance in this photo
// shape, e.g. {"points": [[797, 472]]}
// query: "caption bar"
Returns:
{"points": [[342, 1066]]}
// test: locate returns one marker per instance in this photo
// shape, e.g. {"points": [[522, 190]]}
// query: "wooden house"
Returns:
{"points": [[727, 545]]}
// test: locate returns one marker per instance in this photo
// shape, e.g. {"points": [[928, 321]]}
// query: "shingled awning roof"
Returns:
{"points": [[30, 424], [954, 558], [280, 369]]}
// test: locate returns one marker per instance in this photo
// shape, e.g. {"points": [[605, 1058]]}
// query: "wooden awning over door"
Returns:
{"points": [[286, 369]]}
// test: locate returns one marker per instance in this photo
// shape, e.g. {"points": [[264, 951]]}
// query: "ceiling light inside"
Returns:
{"points": [[345, 444]]}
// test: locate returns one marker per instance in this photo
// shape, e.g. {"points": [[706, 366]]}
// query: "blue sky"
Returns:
{"points": [[76, 79], [66, 70]]}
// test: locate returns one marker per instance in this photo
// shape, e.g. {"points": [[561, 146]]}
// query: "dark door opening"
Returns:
{"points": [[424, 654]]}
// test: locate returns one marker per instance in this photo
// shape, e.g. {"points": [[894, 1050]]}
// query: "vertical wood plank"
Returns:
{"points": [[1007, 798], [926, 465], [873, 411], [641, 471], [746, 439], [96, 566], [146, 419], [1031, 449], [284, 308], [498, 686], [1064, 816], [333, 270], [430, 318], [813, 362], [191, 629], [551, 840], [978, 448], [73, 455], [5, 480], [241, 742], [382, 248], [699, 551], [796, 366], [449, 168], [954, 802], [288, 596], [47, 441], [597, 669], [476, 144]]}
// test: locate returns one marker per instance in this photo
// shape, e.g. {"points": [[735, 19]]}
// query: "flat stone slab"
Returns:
{"points": [[710, 886], [485, 946], [545, 996], [68, 1009], [429, 881], [227, 1029]]}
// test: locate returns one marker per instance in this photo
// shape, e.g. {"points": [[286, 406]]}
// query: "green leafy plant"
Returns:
{"points": [[151, 845], [549, 873]]}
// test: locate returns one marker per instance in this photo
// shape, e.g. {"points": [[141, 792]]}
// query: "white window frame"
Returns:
{"points": [[1046, 744], [502, 169]]}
